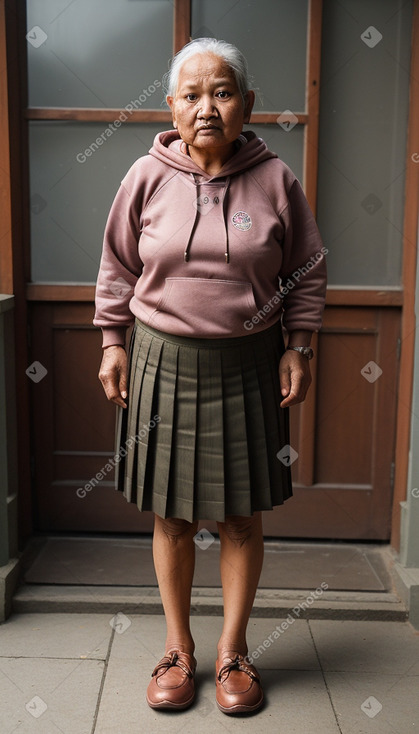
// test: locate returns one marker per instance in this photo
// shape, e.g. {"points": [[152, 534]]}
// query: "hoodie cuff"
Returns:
{"points": [[113, 336]]}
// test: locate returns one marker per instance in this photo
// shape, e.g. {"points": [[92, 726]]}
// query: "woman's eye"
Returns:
{"points": [[223, 94]]}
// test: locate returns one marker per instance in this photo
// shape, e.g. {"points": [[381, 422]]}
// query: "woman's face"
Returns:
{"points": [[208, 109]]}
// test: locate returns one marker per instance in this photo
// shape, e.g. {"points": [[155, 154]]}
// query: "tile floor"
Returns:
{"points": [[87, 674]]}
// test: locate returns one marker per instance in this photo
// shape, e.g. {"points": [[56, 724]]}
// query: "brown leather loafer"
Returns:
{"points": [[238, 687], [172, 683]]}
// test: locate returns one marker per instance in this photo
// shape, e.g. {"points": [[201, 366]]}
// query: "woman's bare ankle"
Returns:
{"points": [[187, 646], [228, 648]]}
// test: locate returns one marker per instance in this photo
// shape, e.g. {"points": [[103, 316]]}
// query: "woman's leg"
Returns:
{"points": [[241, 559], [174, 562]]}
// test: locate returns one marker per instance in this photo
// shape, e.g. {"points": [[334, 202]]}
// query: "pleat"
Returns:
{"points": [[163, 434], [237, 471], [209, 453], [147, 403], [125, 417], [138, 359], [182, 476], [259, 487], [120, 438], [275, 418]]}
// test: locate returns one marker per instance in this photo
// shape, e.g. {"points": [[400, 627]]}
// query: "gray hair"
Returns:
{"points": [[231, 55]]}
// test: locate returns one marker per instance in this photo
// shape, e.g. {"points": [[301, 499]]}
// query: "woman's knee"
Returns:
{"points": [[240, 529], [175, 528]]}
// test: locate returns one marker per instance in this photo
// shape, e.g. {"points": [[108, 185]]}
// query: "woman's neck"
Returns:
{"points": [[211, 160]]}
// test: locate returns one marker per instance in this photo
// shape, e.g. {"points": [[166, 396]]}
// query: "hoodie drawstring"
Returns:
{"points": [[188, 246], [224, 204]]}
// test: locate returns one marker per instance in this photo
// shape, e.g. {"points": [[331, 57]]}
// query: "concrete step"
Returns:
{"points": [[301, 604]]}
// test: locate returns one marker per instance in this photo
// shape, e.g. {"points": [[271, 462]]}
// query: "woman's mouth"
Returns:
{"points": [[208, 127]]}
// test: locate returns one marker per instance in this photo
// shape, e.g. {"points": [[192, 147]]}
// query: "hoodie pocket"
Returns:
{"points": [[205, 306]]}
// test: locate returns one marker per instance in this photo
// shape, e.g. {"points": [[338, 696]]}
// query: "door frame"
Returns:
{"points": [[14, 243], [409, 266]]}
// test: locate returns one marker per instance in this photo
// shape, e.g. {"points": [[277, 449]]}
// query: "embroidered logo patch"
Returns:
{"points": [[241, 220]]}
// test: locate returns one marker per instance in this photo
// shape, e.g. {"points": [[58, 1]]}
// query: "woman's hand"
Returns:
{"points": [[294, 377], [113, 374]]}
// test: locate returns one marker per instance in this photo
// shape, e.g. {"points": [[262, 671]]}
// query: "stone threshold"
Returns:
{"points": [[281, 603]]}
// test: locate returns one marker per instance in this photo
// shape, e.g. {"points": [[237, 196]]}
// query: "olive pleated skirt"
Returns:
{"points": [[200, 436]]}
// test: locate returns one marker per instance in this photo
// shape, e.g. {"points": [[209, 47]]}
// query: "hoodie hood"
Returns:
{"points": [[169, 148]]}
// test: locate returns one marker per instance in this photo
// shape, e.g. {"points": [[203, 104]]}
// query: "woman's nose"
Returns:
{"points": [[207, 108]]}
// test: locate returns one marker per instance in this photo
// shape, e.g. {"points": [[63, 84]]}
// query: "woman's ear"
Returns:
{"points": [[170, 102], [249, 101]]}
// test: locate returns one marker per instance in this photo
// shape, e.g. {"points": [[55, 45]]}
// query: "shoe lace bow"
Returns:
{"points": [[237, 663], [170, 661]]}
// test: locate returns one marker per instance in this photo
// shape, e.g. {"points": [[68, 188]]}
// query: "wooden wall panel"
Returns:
{"points": [[83, 419], [345, 408], [73, 425], [102, 510], [351, 496]]}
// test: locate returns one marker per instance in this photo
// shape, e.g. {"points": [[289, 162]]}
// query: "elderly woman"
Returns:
{"points": [[209, 248]]}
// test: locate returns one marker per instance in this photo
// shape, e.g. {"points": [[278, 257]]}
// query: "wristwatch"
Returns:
{"points": [[306, 351]]}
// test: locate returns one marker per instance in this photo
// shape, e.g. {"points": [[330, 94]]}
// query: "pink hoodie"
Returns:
{"points": [[200, 255]]}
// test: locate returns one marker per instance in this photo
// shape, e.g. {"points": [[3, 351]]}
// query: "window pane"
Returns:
{"points": [[273, 38], [289, 146], [98, 53], [362, 148], [70, 200]]}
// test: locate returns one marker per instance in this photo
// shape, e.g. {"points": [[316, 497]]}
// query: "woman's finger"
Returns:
{"points": [[284, 379], [294, 375], [112, 375], [123, 383]]}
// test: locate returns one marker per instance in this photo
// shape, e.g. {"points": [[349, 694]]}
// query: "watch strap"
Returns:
{"points": [[305, 351]]}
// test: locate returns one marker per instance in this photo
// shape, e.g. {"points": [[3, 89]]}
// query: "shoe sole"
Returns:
{"points": [[240, 708], [170, 705]]}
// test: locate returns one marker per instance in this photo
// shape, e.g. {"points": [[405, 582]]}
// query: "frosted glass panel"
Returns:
{"points": [[363, 121], [289, 146], [71, 193], [98, 53], [273, 37]]}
